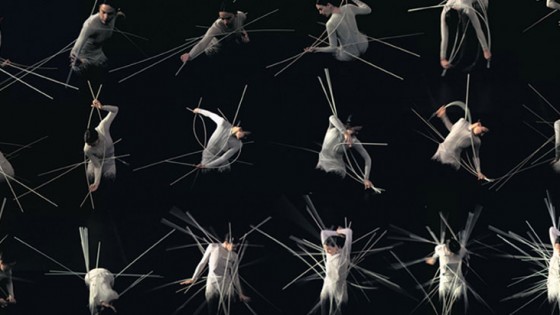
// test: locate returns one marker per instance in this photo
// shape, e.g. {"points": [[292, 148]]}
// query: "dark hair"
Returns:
{"points": [[324, 2], [453, 246], [229, 238], [348, 125], [90, 136], [112, 3], [228, 6], [335, 241], [557, 241]]}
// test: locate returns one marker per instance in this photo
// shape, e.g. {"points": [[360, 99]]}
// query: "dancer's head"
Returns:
{"points": [[557, 244], [350, 127], [453, 246], [228, 242], [108, 10], [325, 7], [91, 136], [333, 244], [228, 12], [478, 129], [239, 133]]}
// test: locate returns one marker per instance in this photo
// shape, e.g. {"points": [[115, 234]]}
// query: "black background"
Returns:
{"points": [[291, 109]]}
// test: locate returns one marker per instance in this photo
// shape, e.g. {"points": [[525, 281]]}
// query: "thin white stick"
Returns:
{"points": [[239, 105], [467, 95], [2, 208], [44, 77], [166, 160], [328, 76], [47, 256], [53, 179], [538, 21], [98, 254], [153, 57], [285, 60], [26, 84], [394, 46], [30, 190], [182, 177], [144, 253], [541, 96], [426, 8], [26, 146]]}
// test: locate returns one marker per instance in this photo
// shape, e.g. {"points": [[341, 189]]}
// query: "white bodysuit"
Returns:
{"points": [[466, 7], [458, 139], [451, 280], [331, 157], [100, 283], [5, 168], [101, 157], [221, 146], [553, 280], [345, 40], [223, 277], [556, 164], [337, 267]]}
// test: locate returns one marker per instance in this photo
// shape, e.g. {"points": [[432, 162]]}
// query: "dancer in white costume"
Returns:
{"points": [[462, 135], [87, 53], [5, 168], [464, 7], [224, 143], [345, 40], [553, 4], [101, 294], [556, 161], [337, 140], [228, 26], [7, 295], [337, 246], [553, 280], [222, 282], [451, 280], [99, 148]]}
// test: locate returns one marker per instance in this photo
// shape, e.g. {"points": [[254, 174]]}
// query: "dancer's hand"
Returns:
{"points": [[367, 184], [196, 110], [243, 298], [487, 54], [185, 57], [245, 37], [93, 187], [187, 282], [445, 63], [200, 166], [96, 104], [480, 176], [309, 49], [441, 112], [430, 261]]}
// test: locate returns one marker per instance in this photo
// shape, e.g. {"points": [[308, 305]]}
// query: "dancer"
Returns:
{"points": [[338, 139], [462, 135], [7, 295], [229, 27], [345, 40], [6, 169], [99, 148], [101, 294], [222, 282], [553, 4], [337, 246], [556, 162], [466, 7], [224, 143], [451, 280], [553, 280], [87, 57]]}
